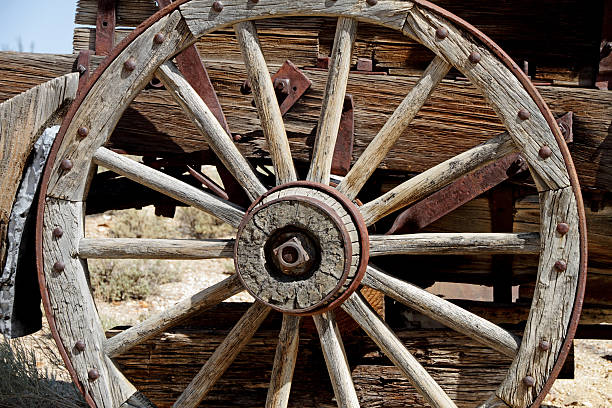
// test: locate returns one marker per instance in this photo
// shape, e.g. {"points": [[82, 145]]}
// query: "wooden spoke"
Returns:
{"points": [[208, 125], [393, 128], [455, 244], [443, 311], [168, 185], [333, 101], [223, 356], [335, 358], [184, 309], [284, 362], [437, 177], [388, 342], [265, 99], [138, 248]]}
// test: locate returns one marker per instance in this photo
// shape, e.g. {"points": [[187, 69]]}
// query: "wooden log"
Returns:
{"points": [[137, 248]]}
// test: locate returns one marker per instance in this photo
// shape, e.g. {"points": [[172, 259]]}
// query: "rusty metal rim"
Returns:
{"points": [[521, 76], [324, 303], [571, 169]]}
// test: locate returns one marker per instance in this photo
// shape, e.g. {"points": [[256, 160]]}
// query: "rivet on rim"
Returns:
{"points": [[66, 164], [545, 152], [544, 345], [82, 69], [83, 131], [130, 64], [442, 33], [529, 381], [475, 57], [159, 38], [524, 114], [562, 228], [217, 6], [59, 266], [93, 374], [372, 2], [58, 232], [80, 345], [254, 1], [561, 266]]}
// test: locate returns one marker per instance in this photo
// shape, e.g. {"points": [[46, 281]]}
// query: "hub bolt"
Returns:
{"points": [[291, 255]]}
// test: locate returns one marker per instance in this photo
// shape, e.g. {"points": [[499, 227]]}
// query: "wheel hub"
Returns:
{"points": [[299, 249]]}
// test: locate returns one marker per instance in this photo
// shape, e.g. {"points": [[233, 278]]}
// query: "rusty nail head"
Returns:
{"points": [[544, 345], [529, 381], [475, 57], [59, 266], [524, 114], [82, 69], [80, 345], [545, 152], [58, 232], [442, 33], [93, 374], [217, 6], [83, 131], [130, 64], [245, 88], [237, 138], [66, 164], [254, 1], [562, 228], [282, 85], [159, 38], [561, 266], [372, 2]]}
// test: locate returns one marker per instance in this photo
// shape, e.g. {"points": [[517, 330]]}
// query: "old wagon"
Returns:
{"points": [[368, 149]]}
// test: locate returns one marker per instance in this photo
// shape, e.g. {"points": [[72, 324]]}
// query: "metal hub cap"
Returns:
{"points": [[298, 250]]}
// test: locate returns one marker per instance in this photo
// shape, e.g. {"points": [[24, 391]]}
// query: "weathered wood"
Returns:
{"points": [[438, 176], [22, 121], [501, 88], [211, 129], [388, 342], [270, 116], [393, 128], [104, 104], [454, 244], [67, 287], [556, 289], [168, 185], [335, 359], [172, 316], [443, 311], [284, 362], [333, 102], [223, 356], [140, 248]]}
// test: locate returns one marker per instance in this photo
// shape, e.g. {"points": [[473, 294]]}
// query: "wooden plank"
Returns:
{"points": [[22, 121]]}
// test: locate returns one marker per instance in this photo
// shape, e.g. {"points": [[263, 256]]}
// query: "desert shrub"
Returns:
{"points": [[122, 279], [22, 384], [140, 224], [194, 223]]}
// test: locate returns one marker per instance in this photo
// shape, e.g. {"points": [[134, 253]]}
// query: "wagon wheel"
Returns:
{"points": [[302, 247]]}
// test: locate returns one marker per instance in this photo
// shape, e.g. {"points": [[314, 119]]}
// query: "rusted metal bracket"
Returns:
{"points": [[83, 69], [105, 26], [289, 83], [343, 151], [466, 188]]}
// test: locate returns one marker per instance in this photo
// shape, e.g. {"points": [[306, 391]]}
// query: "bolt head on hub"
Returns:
{"points": [[291, 256]]}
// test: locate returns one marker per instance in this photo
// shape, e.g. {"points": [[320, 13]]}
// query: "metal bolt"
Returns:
{"points": [[442, 33], [524, 114], [80, 346], [475, 57], [130, 64], [245, 88], [159, 38], [372, 2], [561, 266], [217, 6], [83, 131], [93, 374], [66, 164], [58, 232], [562, 228], [282, 85], [291, 255], [544, 345], [529, 381], [59, 266], [545, 152], [82, 69]]}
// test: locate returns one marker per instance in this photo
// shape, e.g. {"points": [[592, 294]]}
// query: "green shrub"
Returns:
{"points": [[193, 223]]}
